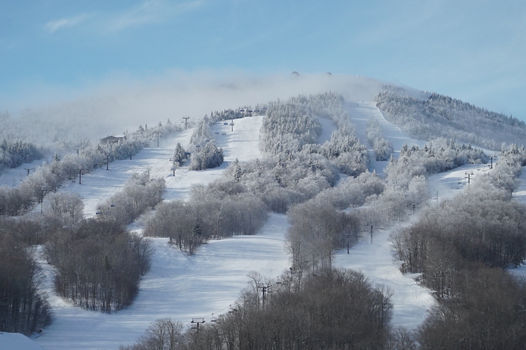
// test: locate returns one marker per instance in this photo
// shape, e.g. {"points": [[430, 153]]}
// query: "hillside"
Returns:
{"points": [[431, 115], [318, 182]]}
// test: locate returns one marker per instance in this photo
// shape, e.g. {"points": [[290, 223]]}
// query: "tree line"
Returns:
{"points": [[430, 115], [22, 308], [15, 153]]}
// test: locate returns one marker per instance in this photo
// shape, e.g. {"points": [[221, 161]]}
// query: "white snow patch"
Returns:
{"points": [[17, 341], [12, 177]]}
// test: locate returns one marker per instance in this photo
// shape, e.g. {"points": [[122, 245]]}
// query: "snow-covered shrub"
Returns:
{"points": [[352, 191], [66, 208], [206, 215], [382, 148], [436, 156], [139, 193], [13, 154], [208, 156], [180, 156]]}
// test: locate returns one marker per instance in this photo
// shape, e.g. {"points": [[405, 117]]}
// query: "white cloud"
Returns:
{"points": [[145, 12], [150, 11], [58, 24]]}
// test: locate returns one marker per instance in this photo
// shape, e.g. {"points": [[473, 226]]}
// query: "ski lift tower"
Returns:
{"points": [[186, 122], [197, 321]]}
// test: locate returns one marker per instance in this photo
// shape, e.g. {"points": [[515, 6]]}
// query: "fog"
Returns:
{"points": [[123, 103]]}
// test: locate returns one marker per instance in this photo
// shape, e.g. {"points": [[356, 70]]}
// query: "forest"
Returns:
{"points": [[98, 264], [15, 153], [22, 308], [431, 115]]}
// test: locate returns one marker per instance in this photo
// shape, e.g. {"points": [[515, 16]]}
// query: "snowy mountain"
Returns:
{"points": [[341, 179]]}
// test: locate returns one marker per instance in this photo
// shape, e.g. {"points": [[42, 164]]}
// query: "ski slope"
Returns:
{"points": [[242, 143], [12, 177], [177, 286], [375, 260], [181, 287], [17, 341], [361, 112], [448, 184], [411, 301]]}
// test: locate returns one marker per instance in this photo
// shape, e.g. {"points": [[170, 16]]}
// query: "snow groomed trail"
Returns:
{"points": [[177, 286]]}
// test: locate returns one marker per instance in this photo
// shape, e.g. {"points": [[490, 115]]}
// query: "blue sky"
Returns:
{"points": [[473, 50]]}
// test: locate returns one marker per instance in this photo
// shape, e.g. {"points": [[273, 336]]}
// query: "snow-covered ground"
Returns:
{"points": [[375, 260], [178, 286], [12, 177], [448, 184], [17, 341], [241, 144]]}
